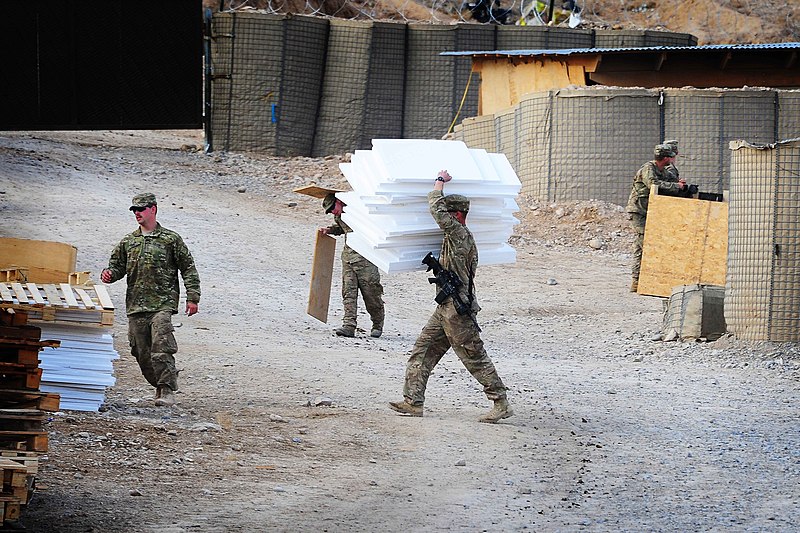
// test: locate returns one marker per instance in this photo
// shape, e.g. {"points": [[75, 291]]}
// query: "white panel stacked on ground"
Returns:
{"points": [[388, 207], [80, 369]]}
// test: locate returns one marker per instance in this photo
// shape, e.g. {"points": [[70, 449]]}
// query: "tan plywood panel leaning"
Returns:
{"points": [[685, 243], [319, 295]]}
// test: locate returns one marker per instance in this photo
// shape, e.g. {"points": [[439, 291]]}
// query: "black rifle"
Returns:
{"points": [[448, 283], [687, 192]]}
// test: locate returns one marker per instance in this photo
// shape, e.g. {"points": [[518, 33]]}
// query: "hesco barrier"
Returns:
{"points": [[544, 38], [587, 143], [591, 146], [435, 84], [361, 82], [303, 85], [705, 120], [641, 38], [762, 295], [251, 47], [788, 114], [266, 81]]}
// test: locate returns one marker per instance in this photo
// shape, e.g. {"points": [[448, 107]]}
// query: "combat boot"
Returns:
{"points": [[376, 332], [405, 408], [635, 285], [500, 411], [166, 398], [346, 331]]}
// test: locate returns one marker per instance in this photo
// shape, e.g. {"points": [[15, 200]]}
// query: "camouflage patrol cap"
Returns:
{"points": [[457, 202], [329, 202], [663, 150], [145, 199]]}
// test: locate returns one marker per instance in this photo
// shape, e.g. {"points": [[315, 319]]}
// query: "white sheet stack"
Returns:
{"points": [[80, 369], [388, 207]]}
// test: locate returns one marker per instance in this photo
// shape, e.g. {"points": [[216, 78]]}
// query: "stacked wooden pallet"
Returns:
{"points": [[81, 368], [23, 410], [59, 302]]}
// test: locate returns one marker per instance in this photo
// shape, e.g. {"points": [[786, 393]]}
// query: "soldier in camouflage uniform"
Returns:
{"points": [[357, 274], [652, 173], [671, 170], [446, 328], [151, 257]]}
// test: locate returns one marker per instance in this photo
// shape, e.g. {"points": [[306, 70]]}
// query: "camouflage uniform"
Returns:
{"points": [[639, 198], [671, 170], [446, 328], [358, 274], [151, 263], [671, 173]]}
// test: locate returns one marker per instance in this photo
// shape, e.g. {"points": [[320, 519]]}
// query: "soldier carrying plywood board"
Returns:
{"points": [[358, 274]]}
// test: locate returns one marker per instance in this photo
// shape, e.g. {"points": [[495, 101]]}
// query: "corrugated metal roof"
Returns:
{"points": [[577, 51]]}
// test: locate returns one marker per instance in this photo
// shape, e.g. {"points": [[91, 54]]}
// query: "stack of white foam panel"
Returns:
{"points": [[388, 207], [81, 368]]}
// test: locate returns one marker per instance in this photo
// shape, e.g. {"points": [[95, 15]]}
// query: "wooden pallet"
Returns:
{"points": [[15, 480], [59, 301], [9, 508], [18, 376], [30, 460], [29, 399], [13, 274], [32, 441], [21, 419], [24, 351]]}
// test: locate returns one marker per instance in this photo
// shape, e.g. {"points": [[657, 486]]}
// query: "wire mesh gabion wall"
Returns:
{"points": [[587, 143], [245, 83], [762, 295], [705, 120], [535, 143], [363, 86], [306, 85], [588, 158], [479, 132], [506, 124], [640, 38], [545, 38], [788, 115], [304, 47], [561, 152], [435, 84], [342, 105]]}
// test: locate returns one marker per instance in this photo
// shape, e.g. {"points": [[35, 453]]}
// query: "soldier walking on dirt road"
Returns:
{"points": [[151, 257], [447, 327]]}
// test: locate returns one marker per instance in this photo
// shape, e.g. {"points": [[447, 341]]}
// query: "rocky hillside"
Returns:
{"points": [[711, 21]]}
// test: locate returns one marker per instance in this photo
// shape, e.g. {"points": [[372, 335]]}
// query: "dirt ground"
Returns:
{"points": [[613, 431]]}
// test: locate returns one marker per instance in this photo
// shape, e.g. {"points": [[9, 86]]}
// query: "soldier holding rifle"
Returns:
{"points": [[447, 327]]}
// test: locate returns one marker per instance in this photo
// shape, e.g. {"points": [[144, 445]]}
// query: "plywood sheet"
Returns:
{"points": [[44, 261], [319, 295], [685, 243], [316, 191]]}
